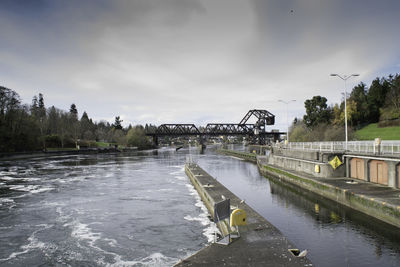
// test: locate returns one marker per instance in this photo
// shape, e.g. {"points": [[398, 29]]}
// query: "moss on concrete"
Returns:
{"points": [[243, 155]]}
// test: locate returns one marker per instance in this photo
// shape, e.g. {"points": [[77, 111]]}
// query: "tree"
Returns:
{"points": [[86, 127], [359, 97], [393, 95], [117, 124], [390, 113], [136, 138], [317, 111], [73, 118], [299, 132], [18, 131], [376, 98], [41, 119], [73, 111]]}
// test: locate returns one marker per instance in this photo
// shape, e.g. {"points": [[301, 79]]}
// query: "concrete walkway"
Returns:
{"points": [[260, 244]]}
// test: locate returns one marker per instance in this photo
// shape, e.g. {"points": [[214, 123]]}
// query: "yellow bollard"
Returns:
{"points": [[238, 217], [317, 170]]}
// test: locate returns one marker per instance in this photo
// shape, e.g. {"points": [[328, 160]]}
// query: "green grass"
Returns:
{"points": [[372, 131], [61, 149], [104, 144]]}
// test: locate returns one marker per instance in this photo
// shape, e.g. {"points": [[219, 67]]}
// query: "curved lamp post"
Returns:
{"points": [[287, 120], [345, 78]]}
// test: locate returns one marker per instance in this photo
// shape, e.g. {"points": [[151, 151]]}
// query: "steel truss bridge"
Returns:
{"points": [[255, 131]]}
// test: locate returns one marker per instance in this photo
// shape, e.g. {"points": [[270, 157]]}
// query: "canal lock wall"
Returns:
{"points": [[260, 243], [380, 202]]}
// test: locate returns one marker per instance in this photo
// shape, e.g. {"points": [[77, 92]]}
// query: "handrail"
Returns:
{"points": [[367, 147]]}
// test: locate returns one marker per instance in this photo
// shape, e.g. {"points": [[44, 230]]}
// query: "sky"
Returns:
{"points": [[194, 61]]}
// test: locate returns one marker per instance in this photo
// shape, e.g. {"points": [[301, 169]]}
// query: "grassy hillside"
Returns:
{"points": [[372, 131]]}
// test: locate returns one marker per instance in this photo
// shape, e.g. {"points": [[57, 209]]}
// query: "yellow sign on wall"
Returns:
{"points": [[335, 162]]}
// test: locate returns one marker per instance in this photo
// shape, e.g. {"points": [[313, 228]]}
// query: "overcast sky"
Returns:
{"points": [[193, 61]]}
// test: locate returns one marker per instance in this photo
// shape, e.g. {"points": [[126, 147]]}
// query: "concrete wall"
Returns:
{"points": [[378, 209], [306, 155], [305, 166], [321, 156]]}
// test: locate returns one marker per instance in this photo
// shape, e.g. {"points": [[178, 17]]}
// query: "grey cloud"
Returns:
{"points": [[187, 60]]}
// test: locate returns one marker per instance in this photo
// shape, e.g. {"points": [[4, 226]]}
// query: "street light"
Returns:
{"points": [[345, 78], [287, 120]]}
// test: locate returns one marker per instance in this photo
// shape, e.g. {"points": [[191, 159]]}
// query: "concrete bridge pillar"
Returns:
{"points": [[155, 140]]}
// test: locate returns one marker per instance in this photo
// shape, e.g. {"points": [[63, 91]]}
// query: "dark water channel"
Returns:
{"points": [[141, 210]]}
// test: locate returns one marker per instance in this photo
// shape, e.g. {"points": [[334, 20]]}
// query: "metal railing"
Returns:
{"points": [[367, 147]]}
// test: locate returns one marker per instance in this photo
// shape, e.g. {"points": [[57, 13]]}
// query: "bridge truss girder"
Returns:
{"points": [[256, 130]]}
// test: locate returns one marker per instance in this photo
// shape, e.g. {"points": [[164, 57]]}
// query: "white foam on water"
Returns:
{"points": [[82, 231], [108, 175], [191, 189], [73, 179], [181, 178], [6, 173], [176, 172], [8, 178], [210, 232], [6, 200], [33, 189], [33, 244], [202, 220], [40, 190], [24, 188], [154, 260], [178, 166], [165, 190], [210, 229]]}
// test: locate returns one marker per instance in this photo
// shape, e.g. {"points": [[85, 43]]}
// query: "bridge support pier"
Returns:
{"points": [[155, 140]]}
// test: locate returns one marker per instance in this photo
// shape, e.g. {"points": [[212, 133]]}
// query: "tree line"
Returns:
{"points": [[378, 103], [25, 127]]}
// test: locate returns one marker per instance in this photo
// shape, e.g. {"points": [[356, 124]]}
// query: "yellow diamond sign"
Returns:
{"points": [[335, 162]]}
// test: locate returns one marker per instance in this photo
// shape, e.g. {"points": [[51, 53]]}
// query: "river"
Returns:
{"points": [[141, 210]]}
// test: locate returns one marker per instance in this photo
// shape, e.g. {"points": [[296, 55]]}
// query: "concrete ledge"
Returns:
{"points": [[243, 155], [380, 202], [260, 244]]}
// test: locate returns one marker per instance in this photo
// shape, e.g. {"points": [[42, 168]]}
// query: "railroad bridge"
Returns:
{"points": [[255, 131]]}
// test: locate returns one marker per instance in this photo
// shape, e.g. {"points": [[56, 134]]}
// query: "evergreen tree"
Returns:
{"points": [[117, 124], [317, 111], [73, 111], [376, 98], [359, 96]]}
